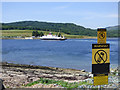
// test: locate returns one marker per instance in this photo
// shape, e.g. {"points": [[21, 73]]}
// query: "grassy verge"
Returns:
{"points": [[59, 82], [74, 36], [28, 33]]}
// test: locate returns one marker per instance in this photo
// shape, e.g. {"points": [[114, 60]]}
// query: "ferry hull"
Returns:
{"points": [[52, 39]]}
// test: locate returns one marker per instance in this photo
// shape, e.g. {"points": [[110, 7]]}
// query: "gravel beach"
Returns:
{"points": [[18, 75]]}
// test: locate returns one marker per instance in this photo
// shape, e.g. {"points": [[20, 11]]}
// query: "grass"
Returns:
{"points": [[73, 36], [28, 33], [59, 82], [17, 33]]}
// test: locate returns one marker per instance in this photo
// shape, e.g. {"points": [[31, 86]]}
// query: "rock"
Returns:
{"points": [[89, 72], [90, 75], [112, 71], [83, 70], [82, 77], [56, 68], [1, 85], [18, 76], [22, 76]]}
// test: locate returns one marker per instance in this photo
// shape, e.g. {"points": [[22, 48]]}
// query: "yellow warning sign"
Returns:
{"points": [[100, 58], [100, 79], [100, 54], [101, 36]]}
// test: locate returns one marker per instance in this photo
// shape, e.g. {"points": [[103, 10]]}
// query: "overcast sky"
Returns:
{"points": [[87, 14]]}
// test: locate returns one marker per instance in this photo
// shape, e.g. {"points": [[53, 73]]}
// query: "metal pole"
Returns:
{"points": [[99, 87]]}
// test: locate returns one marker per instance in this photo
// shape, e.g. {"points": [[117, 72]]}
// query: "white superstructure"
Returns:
{"points": [[51, 37]]}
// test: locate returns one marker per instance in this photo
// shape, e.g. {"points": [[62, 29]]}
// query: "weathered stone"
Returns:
{"points": [[83, 70], [90, 75], [1, 85], [18, 75]]}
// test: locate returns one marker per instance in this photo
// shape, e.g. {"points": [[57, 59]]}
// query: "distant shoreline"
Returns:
{"points": [[40, 39], [67, 38], [34, 66]]}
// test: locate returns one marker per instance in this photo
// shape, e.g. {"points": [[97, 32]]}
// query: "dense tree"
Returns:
{"points": [[41, 34], [35, 33]]}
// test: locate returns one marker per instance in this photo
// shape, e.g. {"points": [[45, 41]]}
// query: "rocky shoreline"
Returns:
{"points": [[18, 75]]}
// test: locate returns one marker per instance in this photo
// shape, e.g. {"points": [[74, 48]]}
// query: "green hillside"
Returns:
{"points": [[67, 28], [113, 27]]}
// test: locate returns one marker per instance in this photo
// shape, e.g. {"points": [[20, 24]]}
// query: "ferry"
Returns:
{"points": [[51, 37]]}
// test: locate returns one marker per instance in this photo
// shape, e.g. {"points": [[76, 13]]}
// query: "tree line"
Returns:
{"points": [[37, 34], [40, 34], [67, 28]]}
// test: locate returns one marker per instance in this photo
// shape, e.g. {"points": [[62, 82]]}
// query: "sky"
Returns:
{"points": [[87, 14]]}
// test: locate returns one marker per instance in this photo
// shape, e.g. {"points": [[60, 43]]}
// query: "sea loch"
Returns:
{"points": [[71, 53]]}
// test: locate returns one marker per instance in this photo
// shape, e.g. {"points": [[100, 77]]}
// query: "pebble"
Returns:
{"points": [[11, 75], [83, 70]]}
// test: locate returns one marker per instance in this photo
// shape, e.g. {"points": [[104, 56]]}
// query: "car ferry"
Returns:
{"points": [[51, 37]]}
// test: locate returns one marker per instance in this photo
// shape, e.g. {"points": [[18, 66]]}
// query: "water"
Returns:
{"points": [[71, 53]]}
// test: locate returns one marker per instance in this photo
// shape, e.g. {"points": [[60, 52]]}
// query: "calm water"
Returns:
{"points": [[72, 53]]}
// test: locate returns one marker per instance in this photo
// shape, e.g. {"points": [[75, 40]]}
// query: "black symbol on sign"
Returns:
{"points": [[100, 56], [101, 35]]}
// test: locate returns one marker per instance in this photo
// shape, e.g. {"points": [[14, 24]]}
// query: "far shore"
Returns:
{"points": [[67, 38], [70, 37]]}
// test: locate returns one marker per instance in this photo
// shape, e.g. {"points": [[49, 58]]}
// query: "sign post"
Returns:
{"points": [[101, 35], [101, 58]]}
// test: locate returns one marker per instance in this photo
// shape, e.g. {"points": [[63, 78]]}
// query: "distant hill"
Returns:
{"points": [[113, 31], [112, 28], [68, 28]]}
